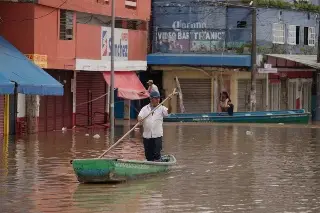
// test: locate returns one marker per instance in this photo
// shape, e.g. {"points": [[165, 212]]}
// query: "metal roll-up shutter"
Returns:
{"points": [[90, 85], [2, 101], [306, 95], [291, 95], [83, 86], [244, 87], [274, 96], [243, 96], [56, 111], [260, 95], [196, 95], [98, 89]]}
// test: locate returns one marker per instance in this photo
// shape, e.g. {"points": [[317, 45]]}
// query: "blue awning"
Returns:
{"points": [[6, 86], [200, 60], [30, 78]]}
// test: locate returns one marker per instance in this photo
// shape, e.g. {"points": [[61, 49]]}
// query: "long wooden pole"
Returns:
{"points": [[172, 94]]}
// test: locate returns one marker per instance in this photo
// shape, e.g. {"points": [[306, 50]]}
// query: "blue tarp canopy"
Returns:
{"points": [[199, 60], [6, 86], [30, 78]]}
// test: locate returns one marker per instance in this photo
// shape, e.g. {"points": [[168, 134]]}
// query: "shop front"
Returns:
{"points": [[292, 85], [201, 88], [55, 112]]}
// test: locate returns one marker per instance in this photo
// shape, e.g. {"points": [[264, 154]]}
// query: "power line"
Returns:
{"points": [[30, 19]]}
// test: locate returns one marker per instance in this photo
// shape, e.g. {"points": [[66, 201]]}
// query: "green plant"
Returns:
{"points": [[286, 5]]}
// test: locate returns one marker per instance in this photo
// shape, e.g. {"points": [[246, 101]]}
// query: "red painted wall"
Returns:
{"points": [[88, 44], [40, 35], [293, 74], [17, 25], [61, 53], [142, 11]]}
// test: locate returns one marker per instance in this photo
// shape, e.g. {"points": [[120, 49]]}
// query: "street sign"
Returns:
{"points": [[267, 69]]}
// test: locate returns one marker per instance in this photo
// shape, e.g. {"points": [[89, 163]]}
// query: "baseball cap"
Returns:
{"points": [[154, 94], [150, 81]]}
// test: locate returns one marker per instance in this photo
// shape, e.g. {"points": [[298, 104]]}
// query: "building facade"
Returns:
{"points": [[71, 42], [188, 33]]}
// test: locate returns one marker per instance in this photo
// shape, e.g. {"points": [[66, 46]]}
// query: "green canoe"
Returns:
{"points": [[101, 170]]}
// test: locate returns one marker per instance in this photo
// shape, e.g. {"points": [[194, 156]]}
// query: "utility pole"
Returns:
{"points": [[253, 91], [318, 79], [112, 73]]}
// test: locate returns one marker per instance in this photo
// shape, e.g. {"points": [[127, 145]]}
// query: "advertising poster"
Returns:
{"points": [[121, 44]]}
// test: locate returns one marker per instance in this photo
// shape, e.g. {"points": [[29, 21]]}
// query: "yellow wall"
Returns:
{"points": [[6, 115], [169, 83]]}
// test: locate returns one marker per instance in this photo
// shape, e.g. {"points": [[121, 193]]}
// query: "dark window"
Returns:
{"points": [[305, 36], [241, 24], [66, 25], [297, 34], [118, 23], [132, 25]]}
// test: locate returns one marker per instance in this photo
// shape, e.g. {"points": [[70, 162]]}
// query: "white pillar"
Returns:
{"points": [[216, 94], [74, 97], [21, 123], [267, 91], [108, 99], [318, 97], [32, 113]]}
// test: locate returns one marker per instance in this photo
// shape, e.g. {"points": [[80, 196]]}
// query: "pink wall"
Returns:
{"points": [[41, 36], [88, 44], [61, 53], [142, 11]]}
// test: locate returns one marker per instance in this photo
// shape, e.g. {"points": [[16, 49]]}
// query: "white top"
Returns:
{"points": [[153, 88], [152, 125]]}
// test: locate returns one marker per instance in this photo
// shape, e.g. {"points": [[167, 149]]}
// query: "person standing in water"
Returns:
{"points": [[152, 127], [225, 103], [152, 87]]}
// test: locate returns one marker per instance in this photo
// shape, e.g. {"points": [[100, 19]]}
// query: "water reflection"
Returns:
{"points": [[220, 169]]}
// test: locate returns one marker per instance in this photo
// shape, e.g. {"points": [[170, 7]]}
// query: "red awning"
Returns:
{"points": [[128, 84]]}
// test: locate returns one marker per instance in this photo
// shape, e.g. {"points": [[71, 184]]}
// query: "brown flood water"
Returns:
{"points": [[220, 169]]}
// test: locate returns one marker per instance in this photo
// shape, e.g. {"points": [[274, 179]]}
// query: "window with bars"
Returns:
{"points": [[278, 33], [66, 25], [311, 36], [292, 35]]}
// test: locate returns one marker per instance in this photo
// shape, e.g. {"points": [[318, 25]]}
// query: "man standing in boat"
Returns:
{"points": [[152, 127]]}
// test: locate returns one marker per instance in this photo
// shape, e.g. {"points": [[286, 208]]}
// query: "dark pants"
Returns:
{"points": [[152, 148], [230, 109]]}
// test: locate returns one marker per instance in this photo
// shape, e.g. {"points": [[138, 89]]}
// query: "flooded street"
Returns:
{"points": [[221, 168]]}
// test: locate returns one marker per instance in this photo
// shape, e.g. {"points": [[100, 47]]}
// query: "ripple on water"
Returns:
{"points": [[220, 169]]}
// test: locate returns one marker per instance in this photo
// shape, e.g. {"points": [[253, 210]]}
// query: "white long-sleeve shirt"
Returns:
{"points": [[152, 125], [152, 88]]}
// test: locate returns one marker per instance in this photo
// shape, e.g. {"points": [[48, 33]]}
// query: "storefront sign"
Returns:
{"points": [[195, 40], [190, 37], [40, 60], [121, 44], [178, 25]]}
